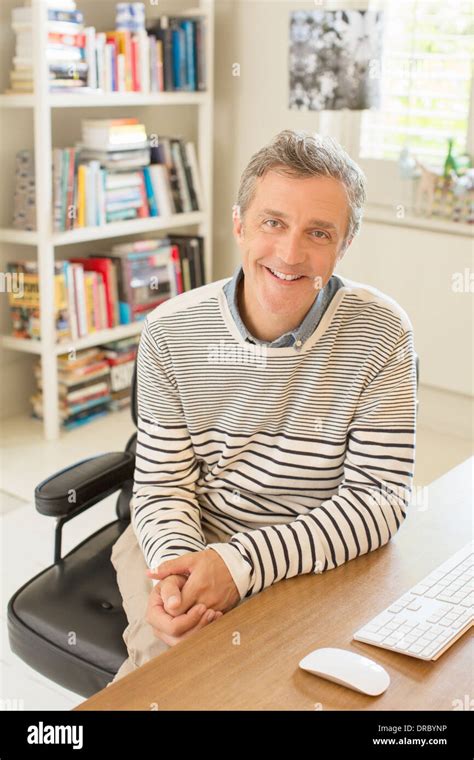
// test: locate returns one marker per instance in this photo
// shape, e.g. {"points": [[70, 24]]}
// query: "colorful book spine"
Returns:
{"points": [[149, 192]]}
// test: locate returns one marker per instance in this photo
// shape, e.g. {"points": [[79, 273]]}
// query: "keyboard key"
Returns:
{"points": [[444, 597], [460, 622], [404, 600], [451, 617], [376, 637], [403, 645], [457, 597], [433, 592], [395, 608], [382, 619], [415, 605], [432, 649], [424, 641], [434, 618], [421, 589]]}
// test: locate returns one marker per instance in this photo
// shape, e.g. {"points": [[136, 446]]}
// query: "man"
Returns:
{"points": [[276, 430]]}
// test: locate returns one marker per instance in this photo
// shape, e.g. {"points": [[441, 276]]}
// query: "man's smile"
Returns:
{"points": [[282, 277]]}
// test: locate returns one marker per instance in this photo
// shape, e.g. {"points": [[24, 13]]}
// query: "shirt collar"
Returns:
{"points": [[295, 337]]}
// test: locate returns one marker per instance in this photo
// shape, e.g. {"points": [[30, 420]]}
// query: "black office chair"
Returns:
{"points": [[67, 622]]}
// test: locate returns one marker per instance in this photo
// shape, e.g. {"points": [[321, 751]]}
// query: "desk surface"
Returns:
{"points": [[248, 660]]}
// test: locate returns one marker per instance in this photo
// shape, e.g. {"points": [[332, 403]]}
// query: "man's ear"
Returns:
{"points": [[237, 223], [343, 252]]}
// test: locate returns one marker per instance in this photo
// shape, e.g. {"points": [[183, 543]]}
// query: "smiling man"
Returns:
{"points": [[288, 256], [248, 472]]}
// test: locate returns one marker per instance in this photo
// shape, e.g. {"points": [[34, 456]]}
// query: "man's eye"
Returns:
{"points": [[323, 234], [271, 220]]}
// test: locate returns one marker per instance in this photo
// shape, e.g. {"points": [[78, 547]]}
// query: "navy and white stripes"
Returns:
{"points": [[305, 458]]}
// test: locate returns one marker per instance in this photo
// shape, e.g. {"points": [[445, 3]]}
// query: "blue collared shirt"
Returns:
{"points": [[299, 334]]}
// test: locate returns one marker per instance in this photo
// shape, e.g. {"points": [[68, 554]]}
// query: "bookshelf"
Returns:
{"points": [[41, 104]]}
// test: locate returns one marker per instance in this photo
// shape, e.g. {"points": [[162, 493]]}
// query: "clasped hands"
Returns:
{"points": [[194, 590]]}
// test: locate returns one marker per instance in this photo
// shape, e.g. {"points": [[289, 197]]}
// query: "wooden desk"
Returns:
{"points": [[210, 671]]}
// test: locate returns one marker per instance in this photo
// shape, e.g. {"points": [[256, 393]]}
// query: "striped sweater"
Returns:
{"points": [[304, 458]]}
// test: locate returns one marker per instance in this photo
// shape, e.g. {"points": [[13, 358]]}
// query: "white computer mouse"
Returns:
{"points": [[348, 669]]}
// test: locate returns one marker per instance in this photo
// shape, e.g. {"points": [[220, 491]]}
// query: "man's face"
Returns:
{"points": [[295, 226]]}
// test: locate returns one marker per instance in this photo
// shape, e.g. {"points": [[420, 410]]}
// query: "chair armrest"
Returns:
{"points": [[84, 484]]}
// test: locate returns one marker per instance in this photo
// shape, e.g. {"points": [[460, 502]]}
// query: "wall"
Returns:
{"points": [[413, 266]]}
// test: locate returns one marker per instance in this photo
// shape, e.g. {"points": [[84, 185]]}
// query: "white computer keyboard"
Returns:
{"points": [[432, 615]]}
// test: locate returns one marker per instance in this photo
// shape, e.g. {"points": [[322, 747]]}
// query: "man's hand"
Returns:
{"points": [[173, 629], [208, 582]]}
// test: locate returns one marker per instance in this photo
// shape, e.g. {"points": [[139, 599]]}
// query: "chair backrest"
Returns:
{"points": [[133, 395], [122, 507]]}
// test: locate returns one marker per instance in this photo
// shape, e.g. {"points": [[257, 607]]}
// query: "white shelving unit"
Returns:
{"points": [[45, 240]]}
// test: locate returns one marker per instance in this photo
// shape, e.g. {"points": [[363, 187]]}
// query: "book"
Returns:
{"points": [[24, 196], [25, 305], [104, 267], [145, 279]]}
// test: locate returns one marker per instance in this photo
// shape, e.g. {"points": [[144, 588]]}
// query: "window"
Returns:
{"points": [[426, 81]]}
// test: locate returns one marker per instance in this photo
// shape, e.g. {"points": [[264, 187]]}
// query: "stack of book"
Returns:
{"points": [[92, 382], [84, 387], [121, 355], [93, 295], [101, 291], [151, 271], [109, 148], [101, 180], [85, 296], [191, 255], [168, 55], [174, 176], [178, 54], [148, 273], [24, 203], [109, 177], [65, 51]]}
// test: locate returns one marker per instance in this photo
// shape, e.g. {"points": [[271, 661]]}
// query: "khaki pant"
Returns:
{"points": [[135, 588]]}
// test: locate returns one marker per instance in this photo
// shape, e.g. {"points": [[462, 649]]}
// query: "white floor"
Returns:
{"points": [[27, 459]]}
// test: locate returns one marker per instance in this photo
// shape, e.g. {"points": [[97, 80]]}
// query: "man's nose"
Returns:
{"points": [[291, 251]]}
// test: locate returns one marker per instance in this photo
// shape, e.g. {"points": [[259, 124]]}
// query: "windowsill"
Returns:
{"points": [[388, 215]]}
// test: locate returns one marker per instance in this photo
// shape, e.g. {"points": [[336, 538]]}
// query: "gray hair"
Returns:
{"points": [[297, 153]]}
